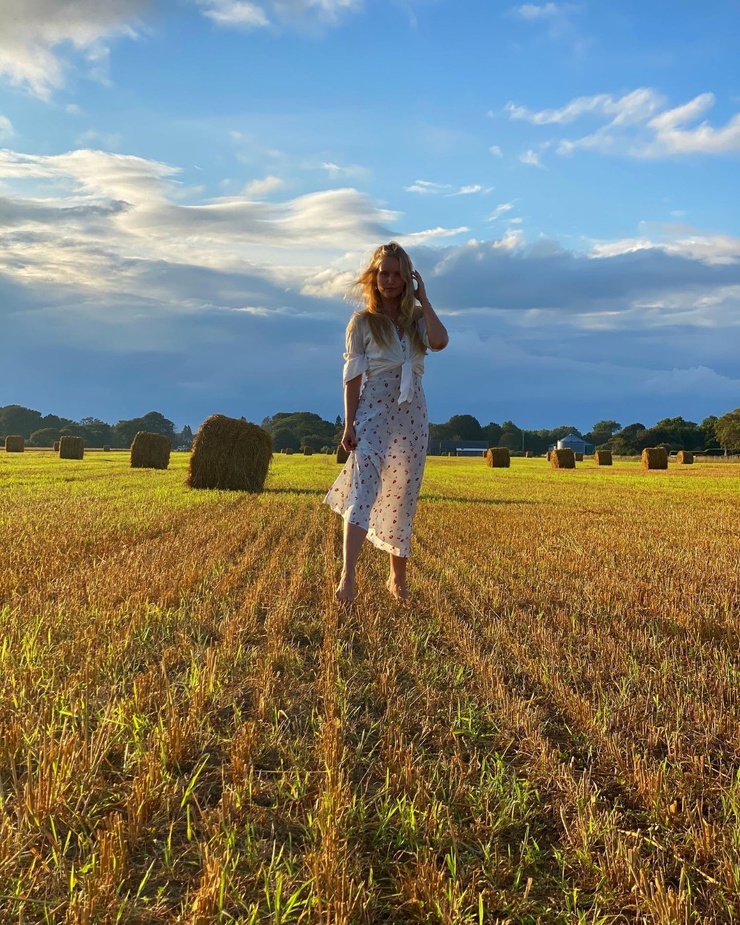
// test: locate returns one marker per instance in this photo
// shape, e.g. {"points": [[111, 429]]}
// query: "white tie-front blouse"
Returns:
{"points": [[365, 354]]}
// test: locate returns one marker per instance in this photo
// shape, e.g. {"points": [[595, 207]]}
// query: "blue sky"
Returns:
{"points": [[188, 187]]}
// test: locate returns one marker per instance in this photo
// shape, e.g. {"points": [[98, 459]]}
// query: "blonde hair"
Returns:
{"points": [[366, 288]]}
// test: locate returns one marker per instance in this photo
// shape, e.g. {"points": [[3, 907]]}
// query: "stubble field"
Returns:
{"points": [[192, 731]]}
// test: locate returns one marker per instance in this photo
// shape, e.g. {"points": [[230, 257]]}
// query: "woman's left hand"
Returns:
{"points": [[420, 294]]}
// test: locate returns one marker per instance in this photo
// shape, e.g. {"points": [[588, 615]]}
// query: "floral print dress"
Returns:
{"points": [[378, 488]]}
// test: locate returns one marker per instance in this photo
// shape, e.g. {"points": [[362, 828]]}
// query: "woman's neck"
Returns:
{"points": [[390, 307]]}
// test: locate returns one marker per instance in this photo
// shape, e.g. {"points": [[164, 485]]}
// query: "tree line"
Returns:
{"points": [[712, 434], [299, 429], [43, 430]]}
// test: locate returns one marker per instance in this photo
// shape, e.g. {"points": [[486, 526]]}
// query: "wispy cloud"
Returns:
{"points": [[264, 186], [501, 209], [242, 14], [429, 188], [534, 11], [41, 39], [531, 158], [6, 128], [495, 150], [235, 13], [638, 125]]}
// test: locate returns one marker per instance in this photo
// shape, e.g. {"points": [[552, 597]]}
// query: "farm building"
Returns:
{"points": [[575, 443], [457, 447]]}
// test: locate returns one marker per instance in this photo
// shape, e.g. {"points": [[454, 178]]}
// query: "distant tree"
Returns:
{"points": [[708, 432], [97, 433], [628, 442], [440, 432], [153, 423], [184, 438], [602, 431], [492, 433], [465, 427], [284, 439], [307, 429], [20, 421], [47, 436], [727, 429]]}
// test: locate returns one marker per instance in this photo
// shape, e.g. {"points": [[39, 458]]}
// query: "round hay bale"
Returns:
{"points": [[563, 459], [603, 457], [579, 457], [529, 455], [289, 451], [307, 451], [150, 451], [56, 446], [655, 457], [342, 455], [498, 457], [685, 458], [231, 454], [71, 447], [549, 455], [106, 449], [15, 444]]}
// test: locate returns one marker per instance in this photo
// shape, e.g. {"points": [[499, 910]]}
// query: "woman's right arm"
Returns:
{"points": [[351, 399]]}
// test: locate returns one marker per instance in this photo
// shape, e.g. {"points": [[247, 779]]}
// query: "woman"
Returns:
{"points": [[386, 428]]}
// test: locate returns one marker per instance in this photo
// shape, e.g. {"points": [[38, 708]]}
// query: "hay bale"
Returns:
{"points": [[231, 454], [15, 444], [71, 447], [579, 457], [685, 458], [106, 449], [529, 455], [342, 455], [655, 457], [549, 454], [289, 451], [498, 457], [150, 451], [307, 451], [603, 457], [563, 459], [56, 446]]}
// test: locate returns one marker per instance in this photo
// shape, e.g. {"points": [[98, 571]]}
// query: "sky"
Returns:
{"points": [[189, 187]]}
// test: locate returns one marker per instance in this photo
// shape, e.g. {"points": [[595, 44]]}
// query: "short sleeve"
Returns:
{"points": [[355, 357]]}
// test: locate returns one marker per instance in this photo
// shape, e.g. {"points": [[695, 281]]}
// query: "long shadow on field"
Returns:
{"points": [[296, 491], [462, 500]]}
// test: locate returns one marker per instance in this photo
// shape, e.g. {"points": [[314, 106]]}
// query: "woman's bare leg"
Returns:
{"points": [[354, 537], [396, 583]]}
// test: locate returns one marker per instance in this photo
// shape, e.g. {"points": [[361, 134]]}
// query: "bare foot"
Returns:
{"points": [[397, 588], [345, 590]]}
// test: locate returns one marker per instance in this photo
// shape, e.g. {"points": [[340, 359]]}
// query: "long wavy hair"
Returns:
{"points": [[366, 287]]}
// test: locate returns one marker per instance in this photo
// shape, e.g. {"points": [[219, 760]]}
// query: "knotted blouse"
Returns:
{"points": [[365, 355]]}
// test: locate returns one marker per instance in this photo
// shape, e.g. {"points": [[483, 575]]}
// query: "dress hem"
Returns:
{"points": [[372, 536]]}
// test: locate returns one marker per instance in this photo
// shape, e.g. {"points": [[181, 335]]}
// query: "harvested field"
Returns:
{"points": [[192, 730]]}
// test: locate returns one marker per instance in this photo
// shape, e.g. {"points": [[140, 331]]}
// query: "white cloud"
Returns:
{"points": [[532, 11], [636, 106], [235, 13], [241, 14], [425, 187], [496, 151], [531, 158], [638, 125], [36, 36], [335, 171], [501, 209], [419, 237], [6, 128], [264, 186], [428, 188]]}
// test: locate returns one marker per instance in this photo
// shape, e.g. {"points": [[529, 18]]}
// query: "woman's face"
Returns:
{"points": [[390, 283]]}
